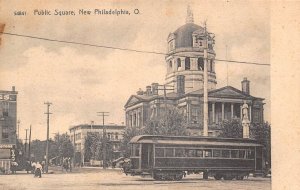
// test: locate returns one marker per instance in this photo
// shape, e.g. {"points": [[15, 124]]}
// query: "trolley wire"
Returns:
{"points": [[119, 48]]}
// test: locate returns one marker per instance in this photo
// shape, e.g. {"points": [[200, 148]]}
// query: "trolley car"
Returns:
{"points": [[171, 157]]}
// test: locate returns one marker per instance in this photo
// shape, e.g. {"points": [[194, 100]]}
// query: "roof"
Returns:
{"points": [[184, 33], [88, 126], [225, 92], [193, 140], [134, 99]]}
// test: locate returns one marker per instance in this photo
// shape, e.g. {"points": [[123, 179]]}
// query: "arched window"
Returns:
{"points": [[211, 65], [187, 63], [178, 62], [200, 63], [170, 64]]}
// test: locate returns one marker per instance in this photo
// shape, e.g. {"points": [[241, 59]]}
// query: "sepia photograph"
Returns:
{"points": [[135, 94]]}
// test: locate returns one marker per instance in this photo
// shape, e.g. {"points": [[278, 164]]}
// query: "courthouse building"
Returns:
{"points": [[184, 65]]}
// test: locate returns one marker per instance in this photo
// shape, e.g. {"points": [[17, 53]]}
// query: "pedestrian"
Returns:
{"points": [[38, 170], [43, 166], [33, 165]]}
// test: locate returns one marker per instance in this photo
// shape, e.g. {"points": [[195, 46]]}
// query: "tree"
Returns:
{"points": [[262, 133], [94, 147], [231, 129], [171, 123]]}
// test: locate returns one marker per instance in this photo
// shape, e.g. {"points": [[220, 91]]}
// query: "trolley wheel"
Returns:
{"points": [[228, 177], [239, 177], [218, 176]]}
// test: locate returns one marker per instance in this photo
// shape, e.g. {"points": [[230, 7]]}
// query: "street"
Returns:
{"points": [[95, 178]]}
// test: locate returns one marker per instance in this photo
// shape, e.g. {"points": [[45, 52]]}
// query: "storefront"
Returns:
{"points": [[7, 156]]}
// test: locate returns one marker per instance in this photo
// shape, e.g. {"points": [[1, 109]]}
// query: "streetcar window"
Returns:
{"points": [[190, 153], [207, 153], [225, 153], [234, 153], [136, 150], [242, 154], [169, 152], [179, 152], [199, 153], [250, 154], [159, 152], [216, 153]]}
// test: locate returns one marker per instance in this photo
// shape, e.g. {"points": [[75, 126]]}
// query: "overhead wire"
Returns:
{"points": [[119, 48]]}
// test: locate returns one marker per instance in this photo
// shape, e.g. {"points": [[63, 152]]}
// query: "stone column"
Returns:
{"points": [[241, 112], [213, 112], [250, 114], [231, 110], [223, 114]]}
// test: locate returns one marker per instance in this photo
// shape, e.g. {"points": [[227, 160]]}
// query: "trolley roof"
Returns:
{"points": [[193, 140]]}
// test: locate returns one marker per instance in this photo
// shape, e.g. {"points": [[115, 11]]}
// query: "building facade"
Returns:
{"points": [[79, 133], [8, 125], [184, 77]]}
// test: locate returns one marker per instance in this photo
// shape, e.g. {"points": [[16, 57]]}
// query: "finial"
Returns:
{"points": [[189, 16]]}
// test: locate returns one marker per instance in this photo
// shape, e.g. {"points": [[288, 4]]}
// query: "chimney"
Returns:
{"points": [[13, 88], [154, 88], [180, 84], [148, 90], [246, 86], [140, 92]]}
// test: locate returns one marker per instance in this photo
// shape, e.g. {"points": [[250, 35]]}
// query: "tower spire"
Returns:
{"points": [[189, 15]]}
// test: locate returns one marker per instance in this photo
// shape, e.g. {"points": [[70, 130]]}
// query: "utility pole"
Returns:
{"points": [[205, 86], [47, 145], [29, 153], [104, 114], [26, 143], [165, 94]]}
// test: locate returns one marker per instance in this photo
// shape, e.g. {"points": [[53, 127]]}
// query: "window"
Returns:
{"points": [[159, 152], [179, 152], [207, 153], [190, 153], [169, 152], [234, 153], [211, 65], [217, 153], [178, 62], [199, 153], [117, 136], [135, 150], [187, 63], [250, 154], [170, 64], [195, 115], [200, 63], [226, 153], [242, 154]]}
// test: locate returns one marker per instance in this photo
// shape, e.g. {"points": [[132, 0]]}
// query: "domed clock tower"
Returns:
{"points": [[185, 58]]}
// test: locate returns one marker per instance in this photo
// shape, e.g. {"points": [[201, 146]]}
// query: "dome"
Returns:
{"points": [[184, 35]]}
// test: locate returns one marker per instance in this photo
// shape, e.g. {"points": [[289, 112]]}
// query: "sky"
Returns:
{"points": [[81, 81]]}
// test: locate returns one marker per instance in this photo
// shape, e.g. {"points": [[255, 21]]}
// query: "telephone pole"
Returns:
{"points": [[205, 86], [47, 145], [104, 114], [26, 143], [29, 153], [18, 129], [165, 94]]}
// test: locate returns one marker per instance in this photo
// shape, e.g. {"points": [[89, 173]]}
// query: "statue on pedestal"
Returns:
{"points": [[245, 121]]}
